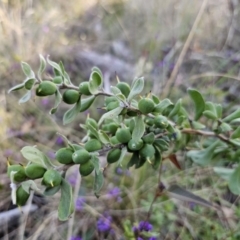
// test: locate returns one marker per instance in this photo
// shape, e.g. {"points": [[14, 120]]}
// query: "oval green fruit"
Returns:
{"points": [[135, 146], [81, 156], [84, 88], [147, 151], [57, 79], [112, 127], [46, 88], [34, 171], [52, 178], [124, 88], [21, 196], [93, 145], [161, 121], [113, 155], [108, 100], [70, 96], [146, 105], [112, 105], [20, 174], [123, 135], [149, 138], [64, 155], [86, 168], [92, 122], [114, 141]]}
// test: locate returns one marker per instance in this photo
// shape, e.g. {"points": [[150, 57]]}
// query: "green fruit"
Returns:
{"points": [[146, 105], [132, 113], [46, 88], [21, 196], [112, 128], [70, 96], [123, 135], [109, 100], [147, 152], [114, 140], [86, 168], [149, 121], [93, 145], [52, 178], [81, 156], [135, 146], [20, 174], [161, 121], [131, 125], [124, 88], [112, 105], [64, 155], [92, 122], [113, 155], [84, 88], [57, 80], [149, 138], [34, 171]]}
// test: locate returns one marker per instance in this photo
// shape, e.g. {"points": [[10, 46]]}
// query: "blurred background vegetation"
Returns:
{"points": [[128, 38]]}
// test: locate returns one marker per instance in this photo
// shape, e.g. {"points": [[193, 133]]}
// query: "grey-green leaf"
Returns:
{"points": [[95, 82], [27, 70], [224, 173], [70, 115], [199, 103], [96, 163], [123, 153], [26, 97], [111, 114], [58, 99], [30, 185], [50, 191], [136, 88], [86, 103], [139, 128], [232, 116], [98, 182], [29, 83], [176, 108], [64, 207], [234, 181], [165, 103], [103, 137], [42, 66], [17, 87], [54, 65]]}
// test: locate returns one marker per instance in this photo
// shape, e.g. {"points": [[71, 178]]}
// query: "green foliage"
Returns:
{"points": [[143, 130]]}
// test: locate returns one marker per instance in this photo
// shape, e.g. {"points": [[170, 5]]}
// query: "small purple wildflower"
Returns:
{"points": [[104, 224], [75, 238], [145, 226], [115, 192], [59, 140], [51, 154], [152, 238], [73, 178], [119, 171], [79, 203]]}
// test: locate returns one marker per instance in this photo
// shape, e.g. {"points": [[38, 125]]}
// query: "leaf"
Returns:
{"points": [[96, 69], [173, 159], [93, 131], [27, 70], [210, 115], [55, 66], [236, 133], [95, 82], [133, 160], [58, 99], [165, 103], [136, 88], [50, 191], [179, 193], [29, 83], [234, 181], [70, 115], [199, 103], [103, 137], [64, 207], [32, 154], [157, 159], [115, 91], [123, 153], [204, 156], [98, 183], [139, 128], [42, 66], [29, 185], [176, 108], [17, 87], [26, 97], [224, 173], [110, 115], [96, 163], [86, 103], [155, 99], [232, 116]]}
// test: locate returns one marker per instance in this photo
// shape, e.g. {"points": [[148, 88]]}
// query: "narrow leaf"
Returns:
{"points": [[95, 82], [26, 97], [30, 185], [96, 163], [70, 115], [139, 128], [29, 83], [58, 99], [42, 66], [64, 207], [179, 193], [176, 108], [234, 181], [236, 133], [103, 137], [136, 89], [17, 87], [232, 116], [123, 153], [54, 65], [209, 114], [27, 70], [165, 103], [110, 115], [86, 103], [224, 173], [199, 103], [98, 183], [50, 191]]}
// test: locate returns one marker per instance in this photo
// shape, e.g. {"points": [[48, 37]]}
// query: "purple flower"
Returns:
{"points": [[104, 224], [152, 238], [79, 203], [59, 140], [75, 238], [51, 154], [145, 226], [73, 178], [139, 238], [113, 193], [119, 171]]}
